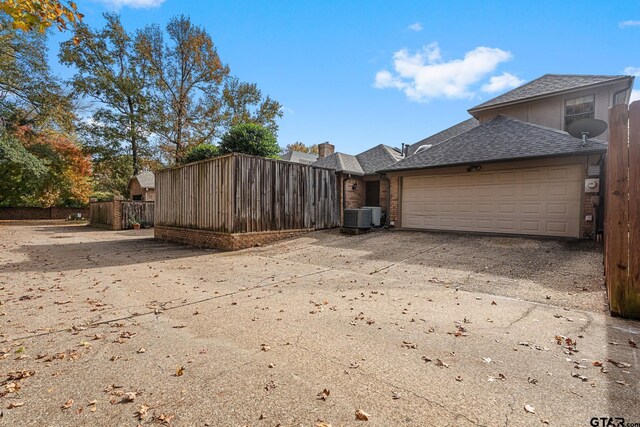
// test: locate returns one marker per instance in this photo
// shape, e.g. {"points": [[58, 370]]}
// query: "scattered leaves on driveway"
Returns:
{"points": [[324, 394], [361, 415], [530, 409]]}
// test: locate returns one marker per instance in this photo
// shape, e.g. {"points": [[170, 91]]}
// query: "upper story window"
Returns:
{"points": [[620, 97], [582, 107]]}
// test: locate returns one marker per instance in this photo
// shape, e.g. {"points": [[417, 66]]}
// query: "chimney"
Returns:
{"points": [[325, 149]]}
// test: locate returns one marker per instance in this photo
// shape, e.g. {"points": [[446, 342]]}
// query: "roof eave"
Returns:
{"points": [[546, 95], [512, 159]]}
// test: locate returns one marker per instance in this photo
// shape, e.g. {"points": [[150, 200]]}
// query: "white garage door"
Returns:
{"points": [[540, 201]]}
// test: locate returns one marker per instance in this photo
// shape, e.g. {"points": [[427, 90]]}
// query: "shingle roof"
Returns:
{"points": [[366, 163], [146, 179], [546, 85], [439, 137], [378, 157], [500, 139], [299, 157], [341, 163]]}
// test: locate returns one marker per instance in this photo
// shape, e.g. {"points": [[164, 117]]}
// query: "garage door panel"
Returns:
{"points": [[543, 200]]}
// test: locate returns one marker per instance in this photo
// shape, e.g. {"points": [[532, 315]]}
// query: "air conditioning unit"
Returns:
{"points": [[357, 218], [376, 214]]}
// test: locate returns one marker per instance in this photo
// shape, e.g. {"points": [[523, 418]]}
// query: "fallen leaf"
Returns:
{"points": [[395, 395], [141, 350], [619, 364], [632, 343], [361, 415], [459, 378], [15, 405], [129, 396], [407, 344], [142, 411], [596, 363], [264, 347], [324, 394], [179, 371], [486, 359], [68, 404], [530, 409], [441, 364]]}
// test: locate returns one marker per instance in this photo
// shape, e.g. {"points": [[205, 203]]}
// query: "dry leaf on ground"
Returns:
{"points": [[361, 415]]}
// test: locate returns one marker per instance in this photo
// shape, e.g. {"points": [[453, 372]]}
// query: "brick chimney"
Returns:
{"points": [[325, 149]]}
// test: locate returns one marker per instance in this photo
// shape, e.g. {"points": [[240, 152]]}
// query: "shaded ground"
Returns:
{"points": [[461, 330]]}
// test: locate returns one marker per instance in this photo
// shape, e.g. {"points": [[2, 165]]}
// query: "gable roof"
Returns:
{"points": [[547, 85], [146, 179], [366, 163], [341, 162], [503, 138], [299, 157], [378, 157], [441, 136]]}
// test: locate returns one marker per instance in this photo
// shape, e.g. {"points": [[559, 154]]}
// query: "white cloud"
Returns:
{"points": [[425, 75], [502, 82], [632, 71], [417, 27], [635, 96], [625, 24], [134, 4]]}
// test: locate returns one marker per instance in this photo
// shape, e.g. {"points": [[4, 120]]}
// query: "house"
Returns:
{"points": [[299, 157], [142, 186], [512, 168], [359, 183]]}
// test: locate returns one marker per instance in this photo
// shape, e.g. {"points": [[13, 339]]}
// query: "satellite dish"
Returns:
{"points": [[587, 128]]}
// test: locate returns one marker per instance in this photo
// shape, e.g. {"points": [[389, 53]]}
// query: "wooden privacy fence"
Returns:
{"points": [[622, 211], [246, 194], [140, 212], [118, 214]]}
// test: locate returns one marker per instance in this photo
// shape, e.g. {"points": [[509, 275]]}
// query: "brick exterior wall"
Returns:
{"points": [[136, 190], [384, 191], [588, 227], [354, 199], [225, 241], [10, 213], [394, 182]]}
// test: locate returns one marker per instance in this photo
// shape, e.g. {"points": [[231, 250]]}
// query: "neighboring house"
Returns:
{"points": [[359, 183], [515, 170], [299, 157], [143, 186]]}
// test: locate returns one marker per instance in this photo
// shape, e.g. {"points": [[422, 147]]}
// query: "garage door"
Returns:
{"points": [[539, 201]]}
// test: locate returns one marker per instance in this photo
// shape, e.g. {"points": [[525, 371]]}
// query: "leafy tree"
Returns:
{"points": [[200, 152], [194, 99], [67, 180], [300, 147], [250, 138], [39, 15], [20, 172], [110, 72], [29, 94], [187, 73]]}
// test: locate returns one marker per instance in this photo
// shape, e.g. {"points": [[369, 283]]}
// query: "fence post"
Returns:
{"points": [[117, 212], [632, 308], [617, 209]]}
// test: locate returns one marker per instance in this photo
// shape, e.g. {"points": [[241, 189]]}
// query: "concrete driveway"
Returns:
{"points": [[113, 328]]}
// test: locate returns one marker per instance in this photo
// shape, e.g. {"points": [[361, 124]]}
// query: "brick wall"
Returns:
{"points": [[225, 241], [589, 226], [354, 199], [384, 190], [395, 197], [10, 213], [136, 190]]}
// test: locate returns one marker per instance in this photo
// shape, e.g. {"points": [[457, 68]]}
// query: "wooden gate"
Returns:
{"points": [[622, 211], [140, 212]]}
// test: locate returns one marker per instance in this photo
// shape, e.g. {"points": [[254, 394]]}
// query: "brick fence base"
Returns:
{"points": [[41, 213], [219, 240]]}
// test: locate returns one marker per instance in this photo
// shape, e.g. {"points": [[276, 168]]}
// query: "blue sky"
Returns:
{"points": [[361, 73]]}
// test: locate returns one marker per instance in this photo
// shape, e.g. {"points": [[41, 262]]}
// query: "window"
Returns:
{"points": [[620, 97], [578, 108]]}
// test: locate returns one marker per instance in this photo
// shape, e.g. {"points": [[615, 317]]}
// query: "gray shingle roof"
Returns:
{"points": [[146, 179], [500, 139], [299, 157], [341, 162], [366, 163], [546, 85], [439, 137], [376, 158]]}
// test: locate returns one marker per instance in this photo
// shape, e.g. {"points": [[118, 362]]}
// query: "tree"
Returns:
{"points": [[200, 152], [39, 15], [194, 99], [20, 172], [110, 72], [67, 180], [300, 147], [29, 94], [250, 138], [187, 75]]}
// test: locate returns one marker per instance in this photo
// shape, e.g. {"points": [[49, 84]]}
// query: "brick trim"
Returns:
{"points": [[221, 240]]}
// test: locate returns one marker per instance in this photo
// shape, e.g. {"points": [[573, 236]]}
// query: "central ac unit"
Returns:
{"points": [[357, 218], [376, 214]]}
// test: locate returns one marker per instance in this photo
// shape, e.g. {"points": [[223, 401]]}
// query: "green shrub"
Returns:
{"points": [[250, 138], [200, 152]]}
